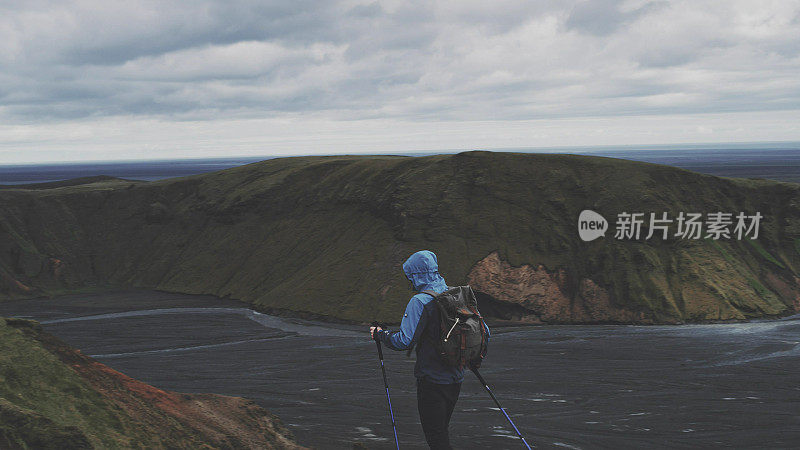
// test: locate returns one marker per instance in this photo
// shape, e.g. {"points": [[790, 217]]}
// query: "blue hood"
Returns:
{"points": [[422, 268]]}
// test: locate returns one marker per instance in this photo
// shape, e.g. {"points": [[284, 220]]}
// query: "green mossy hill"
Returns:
{"points": [[52, 397], [326, 236]]}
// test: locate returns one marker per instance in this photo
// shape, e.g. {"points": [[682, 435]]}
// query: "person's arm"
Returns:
{"points": [[401, 340]]}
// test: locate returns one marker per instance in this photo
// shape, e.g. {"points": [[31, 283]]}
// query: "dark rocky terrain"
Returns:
{"points": [[615, 387]]}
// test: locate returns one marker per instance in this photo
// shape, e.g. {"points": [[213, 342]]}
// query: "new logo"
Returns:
{"points": [[591, 225]]}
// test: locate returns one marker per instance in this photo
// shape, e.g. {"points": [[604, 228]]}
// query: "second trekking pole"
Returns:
{"points": [[386, 384], [483, 382]]}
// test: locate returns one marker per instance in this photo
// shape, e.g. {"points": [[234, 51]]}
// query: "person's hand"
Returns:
{"points": [[372, 331]]}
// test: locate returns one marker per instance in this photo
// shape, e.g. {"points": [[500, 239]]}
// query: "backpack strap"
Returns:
{"points": [[431, 293]]}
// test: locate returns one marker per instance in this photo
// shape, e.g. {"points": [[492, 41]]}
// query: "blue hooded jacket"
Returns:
{"points": [[421, 317]]}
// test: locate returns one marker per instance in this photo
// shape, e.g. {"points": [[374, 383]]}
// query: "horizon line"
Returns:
{"points": [[736, 145]]}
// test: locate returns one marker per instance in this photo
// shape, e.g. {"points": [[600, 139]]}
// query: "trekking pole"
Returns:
{"points": [[386, 384], [483, 382]]}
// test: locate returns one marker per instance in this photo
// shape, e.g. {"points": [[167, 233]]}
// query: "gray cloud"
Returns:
{"points": [[600, 17], [445, 60], [604, 17]]}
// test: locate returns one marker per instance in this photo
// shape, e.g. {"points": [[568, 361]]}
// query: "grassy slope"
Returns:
{"points": [[54, 397], [327, 235]]}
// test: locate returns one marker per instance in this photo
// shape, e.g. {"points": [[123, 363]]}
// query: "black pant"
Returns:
{"points": [[436, 403]]}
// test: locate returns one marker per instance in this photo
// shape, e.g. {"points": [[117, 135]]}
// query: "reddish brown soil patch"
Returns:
{"points": [[546, 294]]}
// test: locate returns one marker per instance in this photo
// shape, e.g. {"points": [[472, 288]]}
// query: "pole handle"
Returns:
{"points": [[378, 325], [377, 340]]}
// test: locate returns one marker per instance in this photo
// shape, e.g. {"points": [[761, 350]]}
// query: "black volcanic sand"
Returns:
{"points": [[698, 386]]}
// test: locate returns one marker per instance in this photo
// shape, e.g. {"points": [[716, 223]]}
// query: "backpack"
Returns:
{"points": [[462, 332]]}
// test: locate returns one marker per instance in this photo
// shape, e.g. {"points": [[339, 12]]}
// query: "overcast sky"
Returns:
{"points": [[89, 80]]}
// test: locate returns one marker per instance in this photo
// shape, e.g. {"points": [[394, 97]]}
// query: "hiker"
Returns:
{"points": [[438, 384]]}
